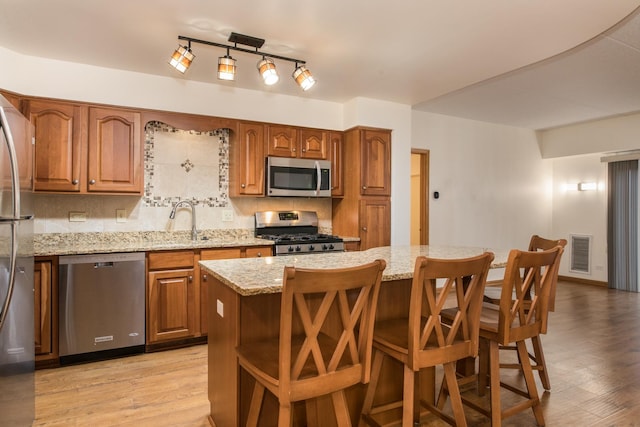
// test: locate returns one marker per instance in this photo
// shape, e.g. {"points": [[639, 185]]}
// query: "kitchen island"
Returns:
{"points": [[245, 297]]}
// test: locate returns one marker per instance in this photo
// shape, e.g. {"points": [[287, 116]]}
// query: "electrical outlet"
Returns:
{"points": [[227, 215], [121, 215], [77, 216], [220, 308]]}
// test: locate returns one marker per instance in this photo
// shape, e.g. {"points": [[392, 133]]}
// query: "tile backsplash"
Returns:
{"points": [[178, 165]]}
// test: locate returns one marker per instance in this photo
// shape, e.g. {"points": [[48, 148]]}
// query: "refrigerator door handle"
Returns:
{"points": [[4, 308], [15, 213]]}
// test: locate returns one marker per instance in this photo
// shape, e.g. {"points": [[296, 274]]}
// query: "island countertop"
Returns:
{"points": [[252, 276]]}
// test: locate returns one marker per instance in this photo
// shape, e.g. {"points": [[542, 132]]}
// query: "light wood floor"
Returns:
{"points": [[592, 350]]}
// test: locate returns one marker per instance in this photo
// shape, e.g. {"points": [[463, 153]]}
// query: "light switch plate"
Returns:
{"points": [[227, 215], [121, 215], [77, 216], [220, 308]]}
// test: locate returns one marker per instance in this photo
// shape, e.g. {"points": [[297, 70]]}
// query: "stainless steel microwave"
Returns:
{"points": [[287, 177]]}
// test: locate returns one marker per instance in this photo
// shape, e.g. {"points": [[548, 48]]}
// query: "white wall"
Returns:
{"points": [[581, 212], [495, 189]]}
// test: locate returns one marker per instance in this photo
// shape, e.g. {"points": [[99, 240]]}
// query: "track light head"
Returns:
{"points": [[182, 58], [226, 67], [303, 77], [267, 69]]}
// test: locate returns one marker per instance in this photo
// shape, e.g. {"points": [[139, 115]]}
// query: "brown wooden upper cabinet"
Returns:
{"points": [[247, 160], [82, 149], [115, 151], [375, 171], [289, 141]]}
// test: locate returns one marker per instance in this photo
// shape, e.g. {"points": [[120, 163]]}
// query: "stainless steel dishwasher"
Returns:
{"points": [[102, 306]]}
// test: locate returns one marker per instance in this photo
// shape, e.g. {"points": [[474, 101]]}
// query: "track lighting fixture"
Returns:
{"points": [[183, 56]]}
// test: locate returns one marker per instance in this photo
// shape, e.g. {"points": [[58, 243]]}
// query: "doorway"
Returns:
{"points": [[419, 197]]}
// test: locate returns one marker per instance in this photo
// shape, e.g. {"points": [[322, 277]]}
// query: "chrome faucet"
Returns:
{"points": [[172, 215]]}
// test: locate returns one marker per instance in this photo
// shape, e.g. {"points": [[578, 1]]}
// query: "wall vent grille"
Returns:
{"points": [[580, 254]]}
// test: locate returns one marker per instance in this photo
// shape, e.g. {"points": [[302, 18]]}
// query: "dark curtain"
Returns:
{"points": [[622, 229]]}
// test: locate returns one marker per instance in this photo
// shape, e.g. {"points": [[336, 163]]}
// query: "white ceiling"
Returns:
{"points": [[451, 57]]}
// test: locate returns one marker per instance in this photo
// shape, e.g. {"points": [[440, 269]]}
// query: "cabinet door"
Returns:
{"points": [[59, 135], [314, 144], [115, 151], [282, 141], [375, 157], [43, 307], [337, 157], [249, 161], [172, 305], [375, 223]]}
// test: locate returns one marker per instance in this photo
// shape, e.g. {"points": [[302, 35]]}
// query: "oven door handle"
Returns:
{"points": [[318, 177]]}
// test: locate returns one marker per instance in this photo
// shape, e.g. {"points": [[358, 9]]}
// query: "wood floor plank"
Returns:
{"points": [[591, 349]]}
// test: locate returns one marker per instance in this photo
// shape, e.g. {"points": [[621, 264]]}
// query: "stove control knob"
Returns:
{"points": [[331, 246], [298, 248], [312, 248], [325, 247], [290, 249]]}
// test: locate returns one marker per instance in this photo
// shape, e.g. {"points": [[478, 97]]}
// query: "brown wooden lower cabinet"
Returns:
{"points": [[46, 310], [177, 292]]}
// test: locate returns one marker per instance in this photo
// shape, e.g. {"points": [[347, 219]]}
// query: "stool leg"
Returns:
{"points": [[530, 382], [454, 393], [256, 403], [376, 367], [407, 397], [494, 377], [539, 355]]}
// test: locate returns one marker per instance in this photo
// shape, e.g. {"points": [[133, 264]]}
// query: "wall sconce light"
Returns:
{"points": [[183, 56], [587, 186], [226, 67]]}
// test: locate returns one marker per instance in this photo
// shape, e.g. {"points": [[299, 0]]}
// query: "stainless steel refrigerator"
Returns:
{"points": [[17, 388]]}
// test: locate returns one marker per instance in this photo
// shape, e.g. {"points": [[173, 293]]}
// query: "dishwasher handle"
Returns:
{"points": [[103, 264]]}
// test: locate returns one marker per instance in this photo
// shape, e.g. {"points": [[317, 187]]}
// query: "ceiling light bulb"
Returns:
{"points": [[226, 68], [267, 70], [303, 77], [181, 58]]}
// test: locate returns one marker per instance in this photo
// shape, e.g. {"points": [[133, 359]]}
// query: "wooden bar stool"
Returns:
{"points": [[420, 340], [326, 329], [516, 319], [536, 243]]}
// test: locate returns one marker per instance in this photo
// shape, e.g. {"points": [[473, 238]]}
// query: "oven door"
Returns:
{"points": [[298, 177]]}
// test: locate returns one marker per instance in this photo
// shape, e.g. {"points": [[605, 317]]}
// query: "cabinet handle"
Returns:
{"points": [[190, 279], [74, 182], [204, 277], [364, 187], [364, 228], [304, 150], [93, 181], [242, 185], [259, 254], [294, 150]]}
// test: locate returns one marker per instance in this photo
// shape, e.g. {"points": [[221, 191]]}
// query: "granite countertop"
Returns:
{"points": [[252, 276], [90, 243]]}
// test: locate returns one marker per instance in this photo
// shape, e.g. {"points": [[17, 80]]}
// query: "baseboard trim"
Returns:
{"points": [[583, 281]]}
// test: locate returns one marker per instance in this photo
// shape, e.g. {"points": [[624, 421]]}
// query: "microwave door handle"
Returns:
{"points": [[318, 178]]}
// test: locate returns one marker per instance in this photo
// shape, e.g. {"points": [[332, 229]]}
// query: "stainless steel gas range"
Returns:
{"points": [[295, 232]]}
